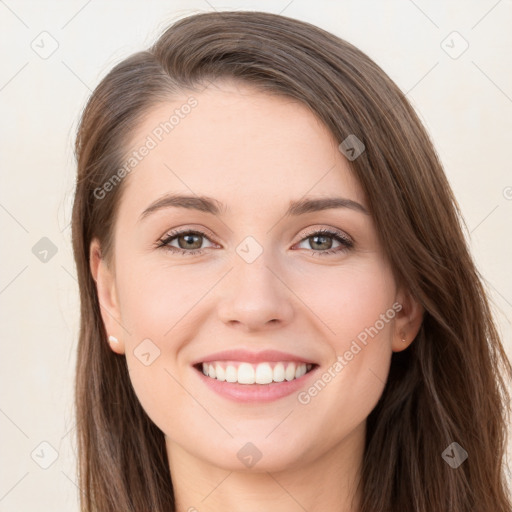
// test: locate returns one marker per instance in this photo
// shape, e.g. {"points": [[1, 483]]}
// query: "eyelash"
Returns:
{"points": [[346, 242]]}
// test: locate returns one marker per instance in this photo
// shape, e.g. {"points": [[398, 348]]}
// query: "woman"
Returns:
{"points": [[279, 308]]}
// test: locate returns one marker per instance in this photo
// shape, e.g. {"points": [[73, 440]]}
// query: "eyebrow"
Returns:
{"points": [[209, 205]]}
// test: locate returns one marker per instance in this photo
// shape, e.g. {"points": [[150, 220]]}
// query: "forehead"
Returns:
{"points": [[248, 149]]}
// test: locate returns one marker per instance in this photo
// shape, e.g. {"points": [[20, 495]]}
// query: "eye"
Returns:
{"points": [[188, 242], [320, 239]]}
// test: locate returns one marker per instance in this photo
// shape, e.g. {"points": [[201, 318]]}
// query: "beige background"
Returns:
{"points": [[465, 102]]}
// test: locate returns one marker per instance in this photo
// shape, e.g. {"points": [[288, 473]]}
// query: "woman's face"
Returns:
{"points": [[265, 280]]}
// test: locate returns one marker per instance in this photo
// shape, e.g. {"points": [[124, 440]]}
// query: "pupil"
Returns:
{"points": [[316, 237], [189, 239]]}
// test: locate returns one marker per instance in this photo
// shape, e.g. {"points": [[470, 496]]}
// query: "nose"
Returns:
{"points": [[254, 297]]}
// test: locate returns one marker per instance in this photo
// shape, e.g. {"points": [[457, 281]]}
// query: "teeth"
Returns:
{"points": [[220, 373], [231, 374], [290, 372], [278, 374], [246, 374], [300, 371], [262, 373]]}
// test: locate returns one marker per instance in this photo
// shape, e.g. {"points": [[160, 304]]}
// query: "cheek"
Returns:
{"points": [[153, 299], [356, 310], [157, 309], [353, 299], [154, 311]]}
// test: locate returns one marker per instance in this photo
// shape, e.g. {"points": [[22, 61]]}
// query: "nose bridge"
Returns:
{"points": [[253, 295]]}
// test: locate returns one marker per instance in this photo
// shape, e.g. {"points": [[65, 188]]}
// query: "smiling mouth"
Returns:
{"points": [[262, 373]]}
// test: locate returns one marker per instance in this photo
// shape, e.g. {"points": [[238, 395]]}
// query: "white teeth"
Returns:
{"points": [[300, 371], [262, 373], [278, 372], [245, 374], [231, 374], [290, 372], [220, 373]]}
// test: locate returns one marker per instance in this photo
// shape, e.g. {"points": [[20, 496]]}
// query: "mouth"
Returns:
{"points": [[250, 374]]}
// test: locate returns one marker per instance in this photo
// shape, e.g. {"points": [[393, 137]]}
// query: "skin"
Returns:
{"points": [[255, 153]]}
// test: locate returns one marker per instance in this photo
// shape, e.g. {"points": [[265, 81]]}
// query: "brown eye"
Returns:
{"points": [[321, 242], [188, 242]]}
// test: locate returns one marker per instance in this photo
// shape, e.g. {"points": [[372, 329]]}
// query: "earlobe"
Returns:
{"points": [[407, 322], [115, 345], [107, 296]]}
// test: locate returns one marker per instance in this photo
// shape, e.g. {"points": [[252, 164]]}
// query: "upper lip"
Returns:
{"points": [[252, 357]]}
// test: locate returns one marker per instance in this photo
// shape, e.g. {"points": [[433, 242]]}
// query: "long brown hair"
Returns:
{"points": [[448, 386]]}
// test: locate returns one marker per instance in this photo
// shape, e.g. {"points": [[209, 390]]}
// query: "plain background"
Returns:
{"points": [[464, 99]]}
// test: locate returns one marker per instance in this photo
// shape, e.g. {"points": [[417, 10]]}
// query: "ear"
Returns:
{"points": [[407, 321], [107, 297]]}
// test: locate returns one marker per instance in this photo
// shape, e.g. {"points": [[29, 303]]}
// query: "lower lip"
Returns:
{"points": [[255, 392]]}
